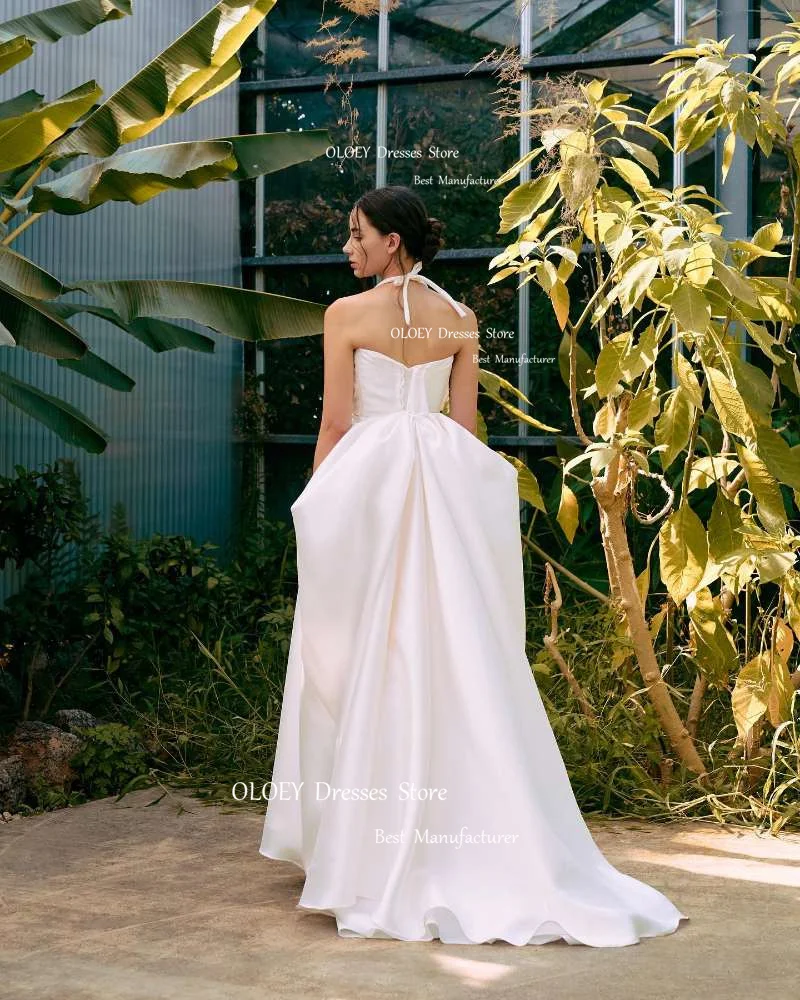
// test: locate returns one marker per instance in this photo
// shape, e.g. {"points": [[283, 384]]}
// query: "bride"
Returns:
{"points": [[417, 781]]}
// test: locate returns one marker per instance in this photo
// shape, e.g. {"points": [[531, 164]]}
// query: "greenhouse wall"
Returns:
{"points": [[171, 459]]}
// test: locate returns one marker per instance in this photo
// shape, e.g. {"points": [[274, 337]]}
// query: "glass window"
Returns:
{"points": [[308, 205], [437, 32], [457, 152], [563, 27], [771, 174], [293, 24], [774, 17], [701, 19]]}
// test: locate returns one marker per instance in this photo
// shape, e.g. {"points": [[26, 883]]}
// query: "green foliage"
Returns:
{"points": [[95, 605], [110, 760], [668, 282], [36, 137], [40, 512]]}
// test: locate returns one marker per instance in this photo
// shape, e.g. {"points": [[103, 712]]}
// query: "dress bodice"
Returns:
{"points": [[382, 384]]}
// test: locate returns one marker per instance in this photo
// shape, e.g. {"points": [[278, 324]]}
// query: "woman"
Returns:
{"points": [[417, 780]]}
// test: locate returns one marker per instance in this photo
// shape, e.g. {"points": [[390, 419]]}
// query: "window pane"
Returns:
{"points": [[437, 32], [563, 27], [459, 153], [767, 202], [701, 19], [307, 206], [774, 17], [291, 25]]}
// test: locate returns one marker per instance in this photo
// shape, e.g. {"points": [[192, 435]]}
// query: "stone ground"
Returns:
{"points": [[172, 901]]}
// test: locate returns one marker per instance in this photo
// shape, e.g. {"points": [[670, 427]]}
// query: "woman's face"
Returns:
{"points": [[369, 250]]}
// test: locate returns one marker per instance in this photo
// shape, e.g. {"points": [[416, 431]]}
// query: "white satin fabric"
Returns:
{"points": [[407, 664]]}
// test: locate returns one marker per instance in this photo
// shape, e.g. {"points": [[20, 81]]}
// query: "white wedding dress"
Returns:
{"points": [[407, 672]]}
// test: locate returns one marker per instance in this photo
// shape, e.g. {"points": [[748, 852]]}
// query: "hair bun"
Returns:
{"points": [[433, 239]]}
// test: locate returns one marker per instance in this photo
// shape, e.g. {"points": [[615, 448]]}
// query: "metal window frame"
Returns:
{"points": [[729, 16]]}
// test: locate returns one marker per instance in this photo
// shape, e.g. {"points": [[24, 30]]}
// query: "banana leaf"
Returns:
{"points": [[157, 334], [70, 424], [142, 174], [235, 312], [24, 276], [74, 18], [27, 136], [13, 51], [36, 327], [21, 104], [92, 366], [171, 83]]}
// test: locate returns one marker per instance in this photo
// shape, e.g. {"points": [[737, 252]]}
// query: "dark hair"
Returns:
{"points": [[398, 209]]}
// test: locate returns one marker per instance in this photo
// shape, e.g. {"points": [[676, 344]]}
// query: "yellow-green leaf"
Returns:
{"points": [[691, 309], [26, 137], [714, 647], [13, 51], [778, 456], [673, 426], [645, 405], [493, 383], [559, 296], [632, 173], [567, 515], [699, 265], [610, 363], [727, 153], [604, 421], [708, 469], [687, 379], [527, 483], [635, 282], [729, 405], [769, 236], [520, 204], [751, 693], [683, 552], [771, 511], [725, 528]]}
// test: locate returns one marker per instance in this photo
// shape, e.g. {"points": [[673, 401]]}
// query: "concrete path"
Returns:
{"points": [[173, 902]]}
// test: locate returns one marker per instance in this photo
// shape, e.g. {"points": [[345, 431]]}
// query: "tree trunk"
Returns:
{"points": [[612, 503]]}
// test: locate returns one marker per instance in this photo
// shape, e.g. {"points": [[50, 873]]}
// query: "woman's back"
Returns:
{"points": [[436, 330]]}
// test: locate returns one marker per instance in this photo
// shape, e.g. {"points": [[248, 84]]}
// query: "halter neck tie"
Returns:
{"points": [[414, 274]]}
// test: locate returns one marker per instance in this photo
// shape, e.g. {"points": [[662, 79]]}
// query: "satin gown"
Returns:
{"points": [[417, 780]]}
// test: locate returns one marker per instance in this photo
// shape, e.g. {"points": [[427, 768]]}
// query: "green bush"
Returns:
{"points": [[110, 761]]}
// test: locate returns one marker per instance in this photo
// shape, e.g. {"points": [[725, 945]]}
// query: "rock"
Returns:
{"points": [[12, 784], [45, 750], [73, 718]]}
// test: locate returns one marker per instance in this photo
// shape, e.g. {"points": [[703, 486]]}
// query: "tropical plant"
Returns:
{"points": [[674, 401], [36, 137]]}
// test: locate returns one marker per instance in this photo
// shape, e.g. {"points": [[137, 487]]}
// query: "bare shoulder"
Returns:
{"points": [[470, 315], [470, 321], [341, 307]]}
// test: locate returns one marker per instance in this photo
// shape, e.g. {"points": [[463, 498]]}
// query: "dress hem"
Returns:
{"points": [[377, 932]]}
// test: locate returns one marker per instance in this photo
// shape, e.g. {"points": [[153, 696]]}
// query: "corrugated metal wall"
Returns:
{"points": [[170, 459]]}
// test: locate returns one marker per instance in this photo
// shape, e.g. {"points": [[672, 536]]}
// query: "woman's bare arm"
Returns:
{"points": [[337, 395], [464, 380]]}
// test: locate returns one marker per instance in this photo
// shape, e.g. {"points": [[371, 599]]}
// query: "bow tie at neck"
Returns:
{"points": [[414, 275]]}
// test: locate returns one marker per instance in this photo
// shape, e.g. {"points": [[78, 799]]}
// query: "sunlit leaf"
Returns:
{"points": [[170, 83], [683, 552]]}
